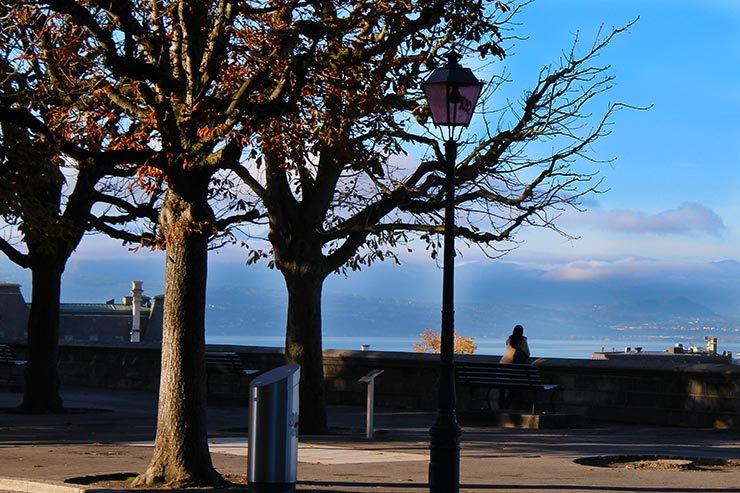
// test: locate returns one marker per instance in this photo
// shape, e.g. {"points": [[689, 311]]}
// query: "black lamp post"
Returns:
{"points": [[452, 92]]}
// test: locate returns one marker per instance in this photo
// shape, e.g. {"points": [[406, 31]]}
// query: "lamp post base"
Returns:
{"points": [[444, 454]]}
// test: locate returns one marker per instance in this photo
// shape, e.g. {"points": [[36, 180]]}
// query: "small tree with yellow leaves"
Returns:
{"points": [[431, 341]]}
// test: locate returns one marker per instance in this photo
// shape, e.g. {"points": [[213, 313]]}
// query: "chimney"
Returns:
{"points": [[136, 311], [154, 324]]}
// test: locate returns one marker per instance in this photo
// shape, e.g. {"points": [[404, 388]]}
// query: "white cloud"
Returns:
{"points": [[687, 218], [590, 270]]}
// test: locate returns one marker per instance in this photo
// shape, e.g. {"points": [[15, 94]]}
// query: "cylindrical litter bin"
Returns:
{"points": [[273, 430]]}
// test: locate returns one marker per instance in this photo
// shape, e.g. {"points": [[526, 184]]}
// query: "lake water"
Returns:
{"points": [[540, 347]]}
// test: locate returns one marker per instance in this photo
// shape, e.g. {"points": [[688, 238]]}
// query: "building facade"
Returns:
{"points": [[135, 318]]}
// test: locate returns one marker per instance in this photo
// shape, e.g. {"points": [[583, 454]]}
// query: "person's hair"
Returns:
{"points": [[517, 336]]}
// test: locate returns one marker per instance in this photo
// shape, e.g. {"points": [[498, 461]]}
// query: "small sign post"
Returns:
{"points": [[369, 379]]}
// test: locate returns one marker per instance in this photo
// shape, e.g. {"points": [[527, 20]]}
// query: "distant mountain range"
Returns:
{"points": [[247, 311], [401, 301]]}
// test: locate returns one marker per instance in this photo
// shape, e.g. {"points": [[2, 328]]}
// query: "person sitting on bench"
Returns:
{"points": [[517, 351]]}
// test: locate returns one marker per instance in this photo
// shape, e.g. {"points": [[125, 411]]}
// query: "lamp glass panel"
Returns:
{"points": [[437, 98], [452, 105], [461, 111]]}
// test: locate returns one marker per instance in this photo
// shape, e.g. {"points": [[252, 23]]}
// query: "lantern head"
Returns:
{"points": [[452, 92]]}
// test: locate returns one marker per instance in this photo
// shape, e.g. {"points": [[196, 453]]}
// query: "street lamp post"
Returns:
{"points": [[452, 92]]}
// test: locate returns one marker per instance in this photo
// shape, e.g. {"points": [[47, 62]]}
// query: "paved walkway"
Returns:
{"points": [[111, 432]]}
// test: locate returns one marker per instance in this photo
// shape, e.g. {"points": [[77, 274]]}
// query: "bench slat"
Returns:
{"points": [[501, 376], [6, 357], [226, 362]]}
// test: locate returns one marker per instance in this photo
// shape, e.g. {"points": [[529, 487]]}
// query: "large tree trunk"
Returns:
{"points": [[181, 456], [42, 380], [303, 346]]}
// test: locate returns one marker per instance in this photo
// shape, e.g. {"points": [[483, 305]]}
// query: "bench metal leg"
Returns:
{"points": [[506, 398], [552, 401]]}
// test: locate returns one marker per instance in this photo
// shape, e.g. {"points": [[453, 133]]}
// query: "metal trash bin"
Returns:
{"points": [[273, 430]]}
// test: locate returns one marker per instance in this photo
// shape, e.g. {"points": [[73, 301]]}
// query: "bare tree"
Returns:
{"points": [[329, 177], [157, 88], [45, 218]]}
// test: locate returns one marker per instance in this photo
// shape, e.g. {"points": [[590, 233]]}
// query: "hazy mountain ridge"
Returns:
{"points": [[400, 301], [253, 312]]}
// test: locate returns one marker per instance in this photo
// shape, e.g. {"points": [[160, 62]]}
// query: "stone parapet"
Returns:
{"points": [[665, 392], [668, 393]]}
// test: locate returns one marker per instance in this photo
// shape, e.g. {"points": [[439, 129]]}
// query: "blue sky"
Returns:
{"points": [[673, 189], [671, 206]]}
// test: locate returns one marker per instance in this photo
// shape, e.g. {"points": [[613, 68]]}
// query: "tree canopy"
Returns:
{"points": [[148, 88], [332, 176], [47, 200], [295, 111]]}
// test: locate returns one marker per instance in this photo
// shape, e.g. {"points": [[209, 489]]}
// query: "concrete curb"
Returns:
{"points": [[16, 485], [30, 486]]}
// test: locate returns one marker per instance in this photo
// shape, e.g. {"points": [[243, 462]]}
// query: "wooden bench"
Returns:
{"points": [[225, 363], [503, 376], [7, 360]]}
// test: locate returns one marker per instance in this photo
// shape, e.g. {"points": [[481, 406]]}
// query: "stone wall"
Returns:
{"points": [[674, 394], [13, 313], [665, 392], [111, 365]]}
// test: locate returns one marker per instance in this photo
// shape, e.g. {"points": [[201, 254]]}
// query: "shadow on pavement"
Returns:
{"points": [[510, 487]]}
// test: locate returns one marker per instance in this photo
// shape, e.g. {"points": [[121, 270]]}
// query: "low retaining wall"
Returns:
{"points": [[665, 392], [662, 392]]}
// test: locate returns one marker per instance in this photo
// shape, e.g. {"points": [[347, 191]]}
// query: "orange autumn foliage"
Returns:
{"points": [[431, 340]]}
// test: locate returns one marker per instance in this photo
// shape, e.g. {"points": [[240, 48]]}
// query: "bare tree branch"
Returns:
{"points": [[14, 255]]}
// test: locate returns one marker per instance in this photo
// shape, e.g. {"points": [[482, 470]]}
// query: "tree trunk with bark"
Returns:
{"points": [[41, 394], [181, 456], [303, 344]]}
